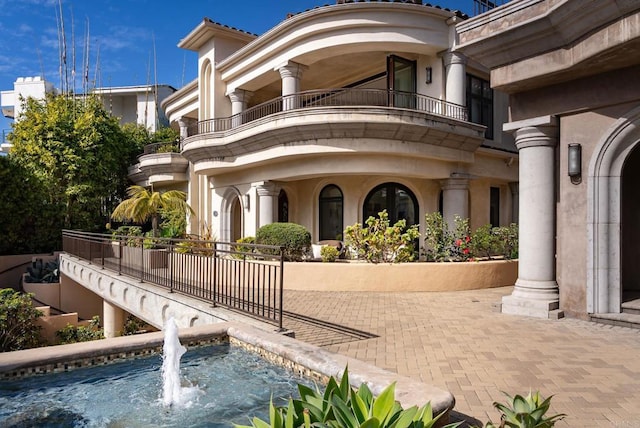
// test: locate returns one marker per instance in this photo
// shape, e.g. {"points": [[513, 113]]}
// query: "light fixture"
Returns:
{"points": [[247, 200], [575, 163], [429, 77]]}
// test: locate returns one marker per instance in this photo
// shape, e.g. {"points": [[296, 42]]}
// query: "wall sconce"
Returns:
{"points": [[247, 200], [575, 163], [429, 77]]}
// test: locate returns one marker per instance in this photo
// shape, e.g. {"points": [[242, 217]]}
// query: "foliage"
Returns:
{"points": [[294, 238], [134, 325], [139, 136], [78, 153], [441, 244], [342, 406], [241, 250], [526, 412], [203, 244], [329, 253], [31, 220], [73, 334], [144, 204], [18, 328], [43, 272], [379, 242]]}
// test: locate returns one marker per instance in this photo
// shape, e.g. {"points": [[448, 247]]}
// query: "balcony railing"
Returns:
{"points": [[345, 97], [244, 277], [164, 147]]}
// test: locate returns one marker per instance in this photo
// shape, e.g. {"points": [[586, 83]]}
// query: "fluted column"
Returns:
{"points": [[455, 65], [239, 99], [267, 202], [455, 199], [290, 73], [536, 290]]}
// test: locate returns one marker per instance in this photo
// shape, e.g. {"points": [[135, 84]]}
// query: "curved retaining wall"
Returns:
{"points": [[360, 276]]}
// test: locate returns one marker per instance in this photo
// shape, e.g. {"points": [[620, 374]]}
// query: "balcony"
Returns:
{"points": [[160, 163], [342, 119]]}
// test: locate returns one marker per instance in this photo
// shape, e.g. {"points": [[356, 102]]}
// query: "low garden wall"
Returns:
{"points": [[361, 276]]}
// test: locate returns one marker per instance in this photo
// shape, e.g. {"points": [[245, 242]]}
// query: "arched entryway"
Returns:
{"points": [[231, 220], [397, 199], [613, 205], [630, 227], [236, 220]]}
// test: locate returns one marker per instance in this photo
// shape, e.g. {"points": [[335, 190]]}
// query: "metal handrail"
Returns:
{"points": [[162, 147], [343, 97], [244, 277]]}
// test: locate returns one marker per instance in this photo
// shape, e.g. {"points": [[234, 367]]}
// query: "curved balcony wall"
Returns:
{"points": [[161, 163], [353, 120]]}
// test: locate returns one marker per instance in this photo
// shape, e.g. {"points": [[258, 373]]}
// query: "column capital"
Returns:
{"points": [[536, 136], [290, 69], [239, 96], [266, 188], [453, 57], [455, 183]]}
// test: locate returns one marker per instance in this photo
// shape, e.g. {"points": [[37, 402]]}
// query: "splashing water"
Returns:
{"points": [[173, 393]]}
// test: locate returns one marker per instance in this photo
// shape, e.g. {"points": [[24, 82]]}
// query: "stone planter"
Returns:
{"points": [[418, 276]]}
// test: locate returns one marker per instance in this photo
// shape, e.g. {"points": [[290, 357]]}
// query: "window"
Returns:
{"points": [[330, 220], [283, 207], [401, 80], [494, 207], [480, 103], [397, 199]]}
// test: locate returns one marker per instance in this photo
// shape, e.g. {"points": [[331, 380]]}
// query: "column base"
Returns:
{"points": [[514, 305]]}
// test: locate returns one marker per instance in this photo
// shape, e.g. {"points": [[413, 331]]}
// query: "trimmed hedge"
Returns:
{"points": [[295, 239]]}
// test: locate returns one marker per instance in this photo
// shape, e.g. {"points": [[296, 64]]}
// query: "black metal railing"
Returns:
{"points": [[243, 277], [344, 97], [163, 147]]}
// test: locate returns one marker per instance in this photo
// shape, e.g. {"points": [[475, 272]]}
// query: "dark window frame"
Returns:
{"points": [[485, 103], [323, 204]]}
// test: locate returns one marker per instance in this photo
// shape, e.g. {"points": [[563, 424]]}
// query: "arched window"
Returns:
{"points": [[398, 200], [331, 226], [283, 207]]}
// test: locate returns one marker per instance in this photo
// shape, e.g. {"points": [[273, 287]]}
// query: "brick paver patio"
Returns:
{"points": [[458, 341]]}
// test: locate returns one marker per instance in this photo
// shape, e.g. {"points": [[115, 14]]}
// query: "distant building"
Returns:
{"points": [[131, 104], [333, 115]]}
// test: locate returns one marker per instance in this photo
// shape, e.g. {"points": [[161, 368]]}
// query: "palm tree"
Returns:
{"points": [[144, 204]]}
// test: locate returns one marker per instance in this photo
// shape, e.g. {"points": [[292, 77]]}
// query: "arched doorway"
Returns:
{"points": [[236, 219], [630, 227], [613, 209], [283, 207], [398, 200]]}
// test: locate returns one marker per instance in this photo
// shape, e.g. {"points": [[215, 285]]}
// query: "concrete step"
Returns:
{"points": [[621, 320], [631, 307]]}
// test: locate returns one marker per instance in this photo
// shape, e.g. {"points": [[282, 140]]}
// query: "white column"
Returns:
{"points": [[455, 199], [239, 99], [536, 290], [290, 73], [267, 202], [112, 320], [455, 65]]}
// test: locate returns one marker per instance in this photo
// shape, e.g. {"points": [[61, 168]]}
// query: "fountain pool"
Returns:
{"points": [[221, 385]]}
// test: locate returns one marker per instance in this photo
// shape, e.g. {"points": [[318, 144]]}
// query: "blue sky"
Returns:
{"points": [[123, 33]]}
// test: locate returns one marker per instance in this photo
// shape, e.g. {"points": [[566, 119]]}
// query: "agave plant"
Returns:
{"points": [[342, 406], [526, 412]]}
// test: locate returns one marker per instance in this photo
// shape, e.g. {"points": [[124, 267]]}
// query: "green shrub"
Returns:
{"points": [[484, 243], [379, 242], [73, 334], [525, 412], [340, 405], [18, 328], [294, 238], [507, 237], [329, 253]]}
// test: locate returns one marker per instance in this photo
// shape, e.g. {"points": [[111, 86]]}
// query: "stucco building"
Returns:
{"points": [[571, 70], [333, 115], [130, 104]]}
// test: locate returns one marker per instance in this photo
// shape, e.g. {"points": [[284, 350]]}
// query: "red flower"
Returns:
{"points": [[465, 251], [468, 238], [458, 242]]}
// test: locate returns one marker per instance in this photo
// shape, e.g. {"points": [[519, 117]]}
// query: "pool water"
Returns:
{"points": [[228, 385]]}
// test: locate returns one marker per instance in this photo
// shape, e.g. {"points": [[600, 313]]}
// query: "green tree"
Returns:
{"points": [[80, 154], [18, 328], [26, 225], [144, 204]]}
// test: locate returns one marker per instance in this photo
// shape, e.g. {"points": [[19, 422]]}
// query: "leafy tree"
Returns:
{"points": [[78, 152], [29, 214], [144, 204], [18, 328]]}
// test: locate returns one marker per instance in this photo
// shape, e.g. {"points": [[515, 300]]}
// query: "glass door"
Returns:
{"points": [[401, 81]]}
